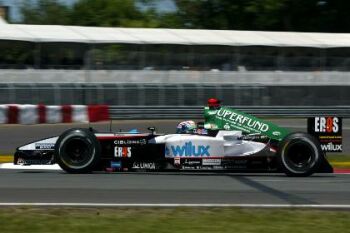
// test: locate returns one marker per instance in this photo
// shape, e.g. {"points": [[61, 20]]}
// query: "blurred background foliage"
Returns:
{"points": [[272, 15]]}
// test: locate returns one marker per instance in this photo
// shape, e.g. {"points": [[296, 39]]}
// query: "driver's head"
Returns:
{"points": [[186, 127], [214, 103]]}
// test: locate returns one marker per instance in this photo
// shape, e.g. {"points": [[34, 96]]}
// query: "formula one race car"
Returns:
{"points": [[228, 140]]}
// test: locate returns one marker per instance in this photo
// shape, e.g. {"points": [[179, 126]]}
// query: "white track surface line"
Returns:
{"points": [[31, 167], [171, 205]]}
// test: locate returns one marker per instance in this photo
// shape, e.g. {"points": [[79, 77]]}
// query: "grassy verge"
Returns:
{"points": [[61, 220]]}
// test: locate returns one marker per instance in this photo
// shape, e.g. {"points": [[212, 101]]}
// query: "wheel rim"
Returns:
{"points": [[77, 153]]}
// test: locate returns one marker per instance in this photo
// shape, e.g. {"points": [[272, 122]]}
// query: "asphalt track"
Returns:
{"points": [[30, 186], [54, 186]]}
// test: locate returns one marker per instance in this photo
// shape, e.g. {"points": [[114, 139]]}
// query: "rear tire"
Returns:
{"points": [[77, 151], [300, 154]]}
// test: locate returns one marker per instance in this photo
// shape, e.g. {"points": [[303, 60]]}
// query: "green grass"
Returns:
{"points": [[172, 220]]}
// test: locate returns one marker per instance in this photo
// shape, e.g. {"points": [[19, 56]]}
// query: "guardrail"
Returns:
{"points": [[160, 94], [196, 112]]}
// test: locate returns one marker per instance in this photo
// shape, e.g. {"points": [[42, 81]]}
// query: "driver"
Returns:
{"points": [[186, 127]]}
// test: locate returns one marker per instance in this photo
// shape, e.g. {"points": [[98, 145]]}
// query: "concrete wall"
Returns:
{"points": [[176, 77]]}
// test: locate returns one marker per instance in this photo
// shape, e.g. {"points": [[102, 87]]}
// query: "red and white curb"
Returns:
{"points": [[51, 114], [341, 171]]}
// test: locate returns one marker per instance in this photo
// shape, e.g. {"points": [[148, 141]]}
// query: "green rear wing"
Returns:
{"points": [[230, 119]]}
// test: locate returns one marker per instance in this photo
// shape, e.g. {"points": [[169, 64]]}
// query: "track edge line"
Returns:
{"points": [[174, 205]]}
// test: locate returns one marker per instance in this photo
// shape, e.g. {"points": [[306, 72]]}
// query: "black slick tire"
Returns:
{"points": [[299, 155], [77, 151]]}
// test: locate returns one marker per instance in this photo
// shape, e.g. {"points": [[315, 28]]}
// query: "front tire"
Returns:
{"points": [[77, 151], [300, 154]]}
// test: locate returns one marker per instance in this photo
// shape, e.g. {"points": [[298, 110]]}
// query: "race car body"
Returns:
{"points": [[261, 148]]}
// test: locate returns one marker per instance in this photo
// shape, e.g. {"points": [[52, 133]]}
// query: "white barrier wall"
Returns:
{"points": [[174, 77]]}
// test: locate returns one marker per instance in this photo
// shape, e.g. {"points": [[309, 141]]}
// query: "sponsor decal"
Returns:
{"points": [[253, 137], [242, 120], [192, 162], [214, 162], [122, 152], [276, 133], [326, 124], [188, 150], [227, 127], [22, 161], [141, 165], [331, 147], [202, 168], [130, 142], [44, 146], [328, 130], [177, 161], [116, 164]]}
